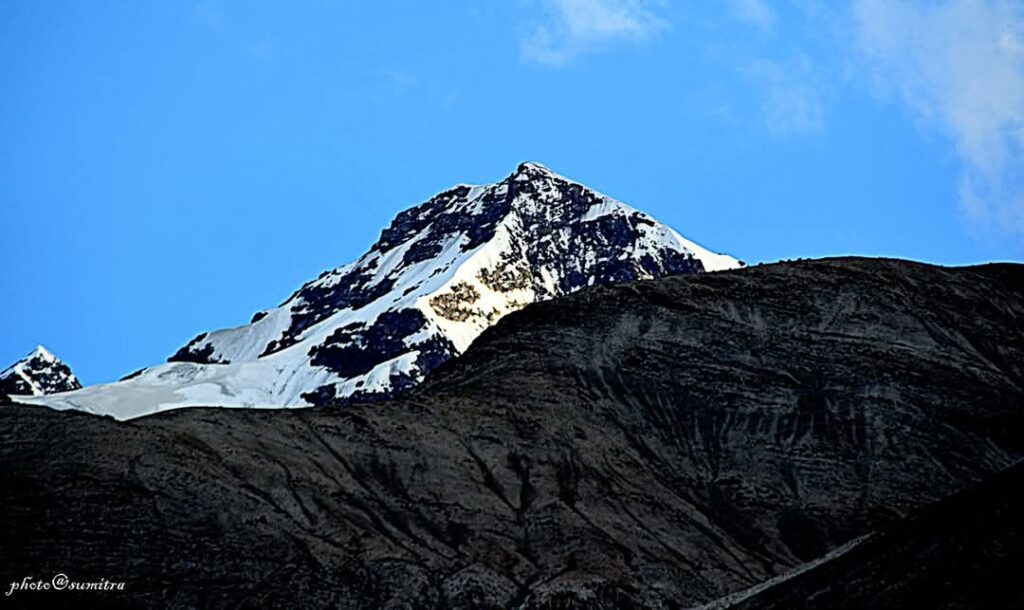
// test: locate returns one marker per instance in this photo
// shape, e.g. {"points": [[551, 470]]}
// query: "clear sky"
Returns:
{"points": [[172, 167]]}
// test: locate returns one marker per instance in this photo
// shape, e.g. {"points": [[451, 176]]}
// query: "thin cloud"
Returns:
{"points": [[575, 27], [209, 14], [263, 50], [755, 13], [399, 84], [793, 102], [959, 65]]}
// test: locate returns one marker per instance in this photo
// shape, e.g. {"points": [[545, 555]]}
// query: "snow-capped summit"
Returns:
{"points": [[37, 374], [439, 274]]}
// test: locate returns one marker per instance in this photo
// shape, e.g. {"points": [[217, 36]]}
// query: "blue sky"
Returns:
{"points": [[173, 167]]}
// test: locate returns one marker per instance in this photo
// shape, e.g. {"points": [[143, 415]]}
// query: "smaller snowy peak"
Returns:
{"points": [[36, 374]]}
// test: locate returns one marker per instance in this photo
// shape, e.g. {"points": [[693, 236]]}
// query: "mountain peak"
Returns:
{"points": [[36, 374], [532, 167], [531, 171], [43, 353], [439, 274]]}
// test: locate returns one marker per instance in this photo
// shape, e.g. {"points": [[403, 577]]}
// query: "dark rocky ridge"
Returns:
{"points": [[656, 444], [962, 552]]}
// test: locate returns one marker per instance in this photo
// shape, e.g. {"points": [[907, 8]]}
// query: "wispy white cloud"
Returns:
{"points": [[756, 13], [573, 27], [959, 65], [793, 96]]}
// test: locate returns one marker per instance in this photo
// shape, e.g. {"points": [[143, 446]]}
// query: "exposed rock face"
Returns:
{"points": [[38, 374], [440, 274], [656, 445]]}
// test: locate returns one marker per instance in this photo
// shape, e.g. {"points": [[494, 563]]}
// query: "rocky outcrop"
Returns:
{"points": [[658, 444]]}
